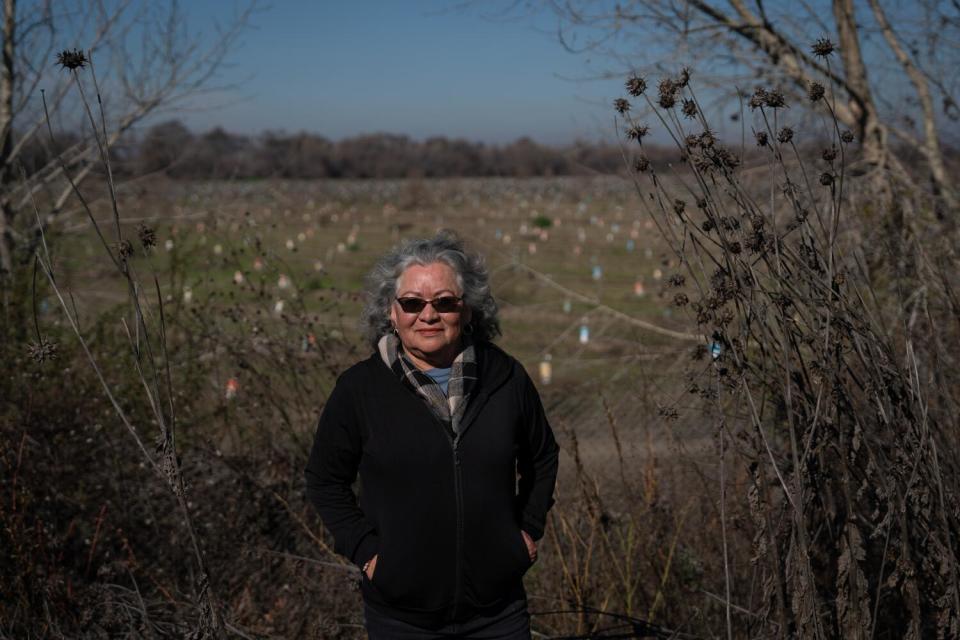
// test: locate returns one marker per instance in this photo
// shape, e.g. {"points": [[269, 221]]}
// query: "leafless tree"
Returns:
{"points": [[894, 74], [147, 61]]}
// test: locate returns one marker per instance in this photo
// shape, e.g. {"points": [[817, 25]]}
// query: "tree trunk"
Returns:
{"points": [[869, 129], [930, 147]]}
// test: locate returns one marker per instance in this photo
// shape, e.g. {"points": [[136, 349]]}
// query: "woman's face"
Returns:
{"points": [[430, 338]]}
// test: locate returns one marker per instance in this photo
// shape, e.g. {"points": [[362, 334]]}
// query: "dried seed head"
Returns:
{"points": [[42, 351], [735, 248], [758, 99], [724, 159], [667, 101], [823, 48], [761, 138], [702, 163], [677, 280], [679, 206], [71, 60], [636, 86], [826, 178], [683, 79], [774, 99], [641, 164], [689, 108], [846, 137], [681, 300], [638, 132], [668, 93], [148, 237], [785, 135], [815, 91], [707, 139], [730, 223], [830, 153], [126, 249], [621, 105], [707, 225], [692, 141]]}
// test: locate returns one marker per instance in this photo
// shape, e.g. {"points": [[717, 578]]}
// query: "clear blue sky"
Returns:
{"points": [[421, 68]]}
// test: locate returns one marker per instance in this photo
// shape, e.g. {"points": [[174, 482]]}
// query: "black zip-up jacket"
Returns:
{"points": [[443, 516]]}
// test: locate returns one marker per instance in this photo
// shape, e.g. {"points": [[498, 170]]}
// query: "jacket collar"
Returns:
{"points": [[494, 368]]}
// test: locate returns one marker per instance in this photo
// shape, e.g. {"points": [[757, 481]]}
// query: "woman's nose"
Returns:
{"points": [[429, 314]]}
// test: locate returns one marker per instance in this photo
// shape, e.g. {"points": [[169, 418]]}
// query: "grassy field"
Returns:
{"points": [[565, 254]]}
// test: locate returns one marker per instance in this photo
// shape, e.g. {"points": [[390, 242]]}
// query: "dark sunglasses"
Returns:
{"points": [[443, 304]]}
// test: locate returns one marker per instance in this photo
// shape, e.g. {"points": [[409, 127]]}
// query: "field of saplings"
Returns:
{"points": [[581, 277]]}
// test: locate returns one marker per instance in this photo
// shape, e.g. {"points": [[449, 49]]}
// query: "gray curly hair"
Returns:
{"points": [[446, 247]]}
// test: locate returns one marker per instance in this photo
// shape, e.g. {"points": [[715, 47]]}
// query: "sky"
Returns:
{"points": [[417, 67]]}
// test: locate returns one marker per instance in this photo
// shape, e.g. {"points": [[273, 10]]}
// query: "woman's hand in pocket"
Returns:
{"points": [[372, 566], [531, 546]]}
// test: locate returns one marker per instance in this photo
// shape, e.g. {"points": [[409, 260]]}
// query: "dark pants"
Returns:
{"points": [[513, 623]]}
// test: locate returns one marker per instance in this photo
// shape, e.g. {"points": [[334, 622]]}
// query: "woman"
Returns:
{"points": [[438, 422]]}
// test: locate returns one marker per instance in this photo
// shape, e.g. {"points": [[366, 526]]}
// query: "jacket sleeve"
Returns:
{"points": [[331, 470], [537, 462]]}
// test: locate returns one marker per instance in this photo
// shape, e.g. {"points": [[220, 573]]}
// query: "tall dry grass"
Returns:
{"points": [[828, 374]]}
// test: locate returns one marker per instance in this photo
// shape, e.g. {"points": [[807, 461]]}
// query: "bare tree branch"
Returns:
{"points": [[882, 71], [155, 62]]}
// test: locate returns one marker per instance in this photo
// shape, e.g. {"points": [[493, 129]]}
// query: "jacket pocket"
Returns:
{"points": [[493, 565], [413, 576], [380, 579]]}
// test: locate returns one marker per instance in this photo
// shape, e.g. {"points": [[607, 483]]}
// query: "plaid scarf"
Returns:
{"points": [[463, 377]]}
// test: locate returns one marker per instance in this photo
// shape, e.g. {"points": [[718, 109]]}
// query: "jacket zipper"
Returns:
{"points": [[454, 443], [458, 491], [457, 483]]}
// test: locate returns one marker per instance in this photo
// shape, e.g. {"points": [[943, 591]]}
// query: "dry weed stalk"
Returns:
{"points": [[836, 404], [144, 340]]}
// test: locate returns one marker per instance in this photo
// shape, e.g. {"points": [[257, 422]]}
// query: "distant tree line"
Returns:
{"points": [[170, 148]]}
